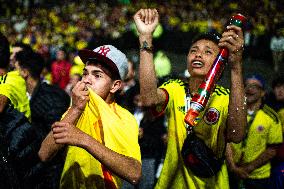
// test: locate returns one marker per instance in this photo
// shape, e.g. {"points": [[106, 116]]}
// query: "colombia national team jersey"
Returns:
{"points": [[210, 128], [13, 86], [265, 130]]}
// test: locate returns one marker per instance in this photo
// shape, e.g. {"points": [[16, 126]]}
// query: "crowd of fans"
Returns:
{"points": [[49, 25]]}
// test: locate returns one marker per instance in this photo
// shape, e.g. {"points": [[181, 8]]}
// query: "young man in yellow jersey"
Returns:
{"points": [[102, 137], [12, 85], [224, 117], [250, 159]]}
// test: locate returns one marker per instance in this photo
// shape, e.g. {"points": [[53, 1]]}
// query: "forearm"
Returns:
{"points": [[72, 115], [48, 148], [124, 167], [237, 109], [229, 157], [262, 159], [147, 75]]}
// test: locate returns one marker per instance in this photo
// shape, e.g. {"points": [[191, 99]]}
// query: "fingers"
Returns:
{"points": [[81, 87], [232, 39], [59, 131], [155, 16], [236, 29], [59, 124], [81, 90], [66, 133], [148, 16], [152, 15], [140, 15]]}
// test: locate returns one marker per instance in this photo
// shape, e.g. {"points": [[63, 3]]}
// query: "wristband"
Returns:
{"points": [[146, 47]]}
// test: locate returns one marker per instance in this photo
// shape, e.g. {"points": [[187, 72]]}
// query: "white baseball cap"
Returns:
{"points": [[110, 55]]}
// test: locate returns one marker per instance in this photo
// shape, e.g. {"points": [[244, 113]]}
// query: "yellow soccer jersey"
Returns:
{"points": [[113, 126], [281, 115], [210, 128], [265, 130], [13, 86]]}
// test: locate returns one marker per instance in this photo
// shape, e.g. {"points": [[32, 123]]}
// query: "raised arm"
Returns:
{"points": [[233, 40], [80, 97], [146, 21]]}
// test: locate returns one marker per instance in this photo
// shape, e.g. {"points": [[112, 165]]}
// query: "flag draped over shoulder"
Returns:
{"points": [[112, 126]]}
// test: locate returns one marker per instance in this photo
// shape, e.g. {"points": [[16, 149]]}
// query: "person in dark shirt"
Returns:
{"points": [[47, 103], [125, 97], [152, 135]]}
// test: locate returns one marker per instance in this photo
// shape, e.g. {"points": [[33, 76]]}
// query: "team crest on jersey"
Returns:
{"points": [[212, 116], [260, 128]]}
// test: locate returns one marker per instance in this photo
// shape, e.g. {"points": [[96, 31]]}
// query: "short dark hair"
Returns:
{"points": [[31, 61], [279, 80], [25, 47], [4, 52], [211, 36], [105, 68]]}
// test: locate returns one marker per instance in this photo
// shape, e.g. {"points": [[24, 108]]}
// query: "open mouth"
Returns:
{"points": [[197, 64]]}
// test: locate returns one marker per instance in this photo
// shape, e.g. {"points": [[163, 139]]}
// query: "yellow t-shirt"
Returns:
{"points": [[109, 124], [13, 86], [266, 129], [210, 128], [281, 116]]}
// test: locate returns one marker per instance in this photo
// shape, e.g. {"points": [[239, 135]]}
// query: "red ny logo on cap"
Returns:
{"points": [[104, 50]]}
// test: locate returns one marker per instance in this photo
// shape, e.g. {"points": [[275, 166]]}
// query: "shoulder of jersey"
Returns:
{"points": [[174, 81], [220, 91], [271, 113], [3, 78], [124, 111]]}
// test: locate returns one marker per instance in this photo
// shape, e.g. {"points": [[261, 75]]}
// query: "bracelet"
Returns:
{"points": [[146, 47]]}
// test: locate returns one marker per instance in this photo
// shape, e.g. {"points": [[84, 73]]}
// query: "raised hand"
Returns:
{"points": [[66, 133], [80, 96], [233, 40], [146, 21]]}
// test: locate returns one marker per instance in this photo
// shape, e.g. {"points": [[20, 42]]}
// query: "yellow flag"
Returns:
{"points": [[112, 126]]}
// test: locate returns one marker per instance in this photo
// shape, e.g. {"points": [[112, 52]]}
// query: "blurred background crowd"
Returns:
{"points": [[72, 25]]}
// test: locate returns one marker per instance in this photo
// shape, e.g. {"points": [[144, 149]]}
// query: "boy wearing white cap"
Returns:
{"points": [[102, 137]]}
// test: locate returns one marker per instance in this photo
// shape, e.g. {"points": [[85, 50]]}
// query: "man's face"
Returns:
{"points": [[23, 72], [131, 72], [253, 91], [60, 55], [201, 56], [279, 92], [96, 79]]}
